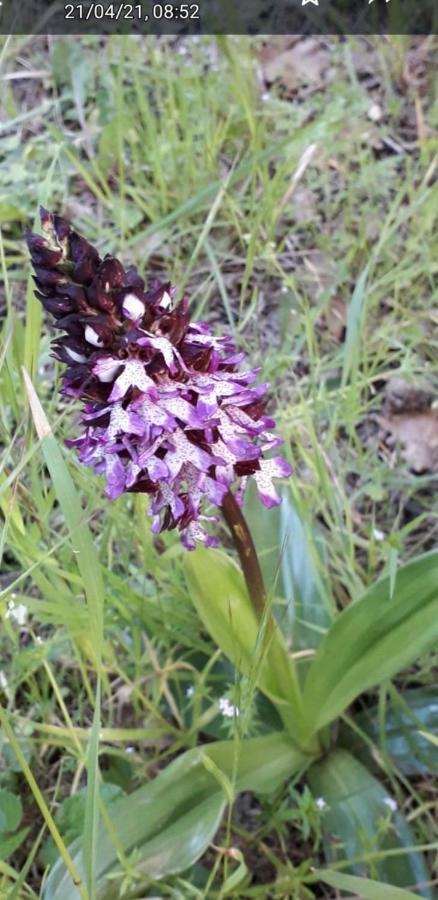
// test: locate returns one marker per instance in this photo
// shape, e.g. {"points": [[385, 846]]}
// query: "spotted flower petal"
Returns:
{"points": [[166, 410], [133, 376], [269, 469]]}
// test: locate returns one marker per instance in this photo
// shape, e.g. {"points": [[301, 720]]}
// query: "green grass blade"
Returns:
{"points": [[81, 538], [366, 888], [33, 306], [73, 875], [355, 316], [91, 819]]}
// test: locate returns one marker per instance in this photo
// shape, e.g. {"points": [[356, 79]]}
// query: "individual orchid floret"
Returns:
{"points": [[166, 410]]}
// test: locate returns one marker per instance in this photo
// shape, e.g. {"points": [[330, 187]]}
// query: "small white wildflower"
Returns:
{"points": [[390, 803], [130, 749], [378, 535], [228, 709], [18, 613], [190, 691], [266, 96], [321, 804], [375, 112]]}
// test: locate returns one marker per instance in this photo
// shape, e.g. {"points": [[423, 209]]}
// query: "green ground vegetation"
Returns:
{"points": [[289, 189]]}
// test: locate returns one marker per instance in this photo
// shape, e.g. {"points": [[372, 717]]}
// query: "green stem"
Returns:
{"points": [[247, 553], [290, 709]]}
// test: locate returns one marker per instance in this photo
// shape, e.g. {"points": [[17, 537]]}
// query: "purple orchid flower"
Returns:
{"points": [[167, 411]]}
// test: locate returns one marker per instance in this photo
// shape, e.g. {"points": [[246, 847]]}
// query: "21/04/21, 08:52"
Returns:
{"points": [[130, 11]]}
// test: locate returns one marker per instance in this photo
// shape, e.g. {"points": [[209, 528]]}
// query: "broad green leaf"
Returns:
{"points": [[373, 639], [170, 821], [290, 560], [10, 843], [219, 594], [361, 818], [11, 811], [10, 817], [365, 888], [69, 817], [408, 714], [258, 764]]}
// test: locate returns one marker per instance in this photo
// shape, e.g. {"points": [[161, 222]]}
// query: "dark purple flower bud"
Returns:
{"points": [[56, 306], [133, 281], [69, 350], [47, 278], [166, 410], [111, 274], [41, 252]]}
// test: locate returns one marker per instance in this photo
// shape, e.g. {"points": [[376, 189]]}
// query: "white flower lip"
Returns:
{"points": [[106, 369], [133, 307], [76, 357], [92, 337]]}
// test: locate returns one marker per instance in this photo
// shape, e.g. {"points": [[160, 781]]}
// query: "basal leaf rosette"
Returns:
{"points": [[166, 409]]}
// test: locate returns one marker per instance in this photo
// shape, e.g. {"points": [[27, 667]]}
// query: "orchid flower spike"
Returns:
{"points": [[166, 410]]}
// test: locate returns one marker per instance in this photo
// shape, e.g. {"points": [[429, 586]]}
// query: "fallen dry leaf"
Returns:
{"points": [[334, 318], [403, 397], [418, 437], [303, 206], [318, 271], [410, 420], [305, 62]]}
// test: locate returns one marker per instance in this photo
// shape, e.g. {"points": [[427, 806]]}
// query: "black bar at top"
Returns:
{"points": [[249, 17]]}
